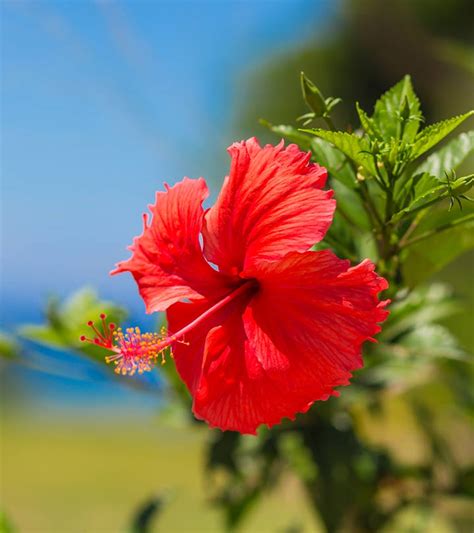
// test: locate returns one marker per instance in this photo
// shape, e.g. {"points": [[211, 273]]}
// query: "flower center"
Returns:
{"points": [[134, 351]]}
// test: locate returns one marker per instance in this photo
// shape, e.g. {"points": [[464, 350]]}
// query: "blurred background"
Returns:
{"points": [[104, 101]]}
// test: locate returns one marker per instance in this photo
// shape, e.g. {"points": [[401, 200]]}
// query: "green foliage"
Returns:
{"points": [[146, 515], [66, 322], [9, 347], [412, 219], [356, 148], [230, 459], [320, 107], [390, 139], [415, 309], [333, 159], [435, 133], [290, 133], [412, 340], [425, 190], [378, 188], [397, 113], [449, 157], [439, 238], [367, 123], [6, 525]]}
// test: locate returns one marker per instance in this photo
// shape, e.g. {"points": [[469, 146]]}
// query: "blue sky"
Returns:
{"points": [[103, 101]]}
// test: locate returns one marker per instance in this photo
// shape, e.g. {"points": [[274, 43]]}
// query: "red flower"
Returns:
{"points": [[274, 327]]}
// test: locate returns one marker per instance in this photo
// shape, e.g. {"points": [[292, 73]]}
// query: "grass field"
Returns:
{"points": [[90, 476]]}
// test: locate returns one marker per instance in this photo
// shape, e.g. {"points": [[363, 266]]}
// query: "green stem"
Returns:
{"points": [[411, 228], [390, 260], [439, 198], [363, 192], [369, 206], [329, 123], [389, 208], [439, 229]]}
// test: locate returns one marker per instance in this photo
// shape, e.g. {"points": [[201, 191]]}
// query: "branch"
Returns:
{"points": [[439, 229]]}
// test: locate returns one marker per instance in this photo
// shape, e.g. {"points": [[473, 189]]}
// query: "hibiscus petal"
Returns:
{"points": [[222, 380], [167, 262], [213, 364], [298, 338], [316, 304], [270, 204], [236, 393]]}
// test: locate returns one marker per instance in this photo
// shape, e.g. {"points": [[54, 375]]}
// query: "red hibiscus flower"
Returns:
{"points": [[261, 327]]}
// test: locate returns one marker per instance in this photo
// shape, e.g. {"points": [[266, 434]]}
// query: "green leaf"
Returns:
{"points": [[397, 112], [432, 341], [313, 97], [146, 514], [407, 366], [239, 471], [435, 133], [367, 123], [331, 103], [412, 339], [425, 305], [66, 322], [289, 133], [9, 348], [366, 246], [416, 350], [6, 525], [222, 450], [335, 161], [348, 201], [426, 190], [428, 256], [449, 157], [292, 449], [44, 334], [351, 145], [417, 518]]}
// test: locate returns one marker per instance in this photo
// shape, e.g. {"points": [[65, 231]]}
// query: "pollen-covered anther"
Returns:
{"points": [[136, 352], [133, 351]]}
